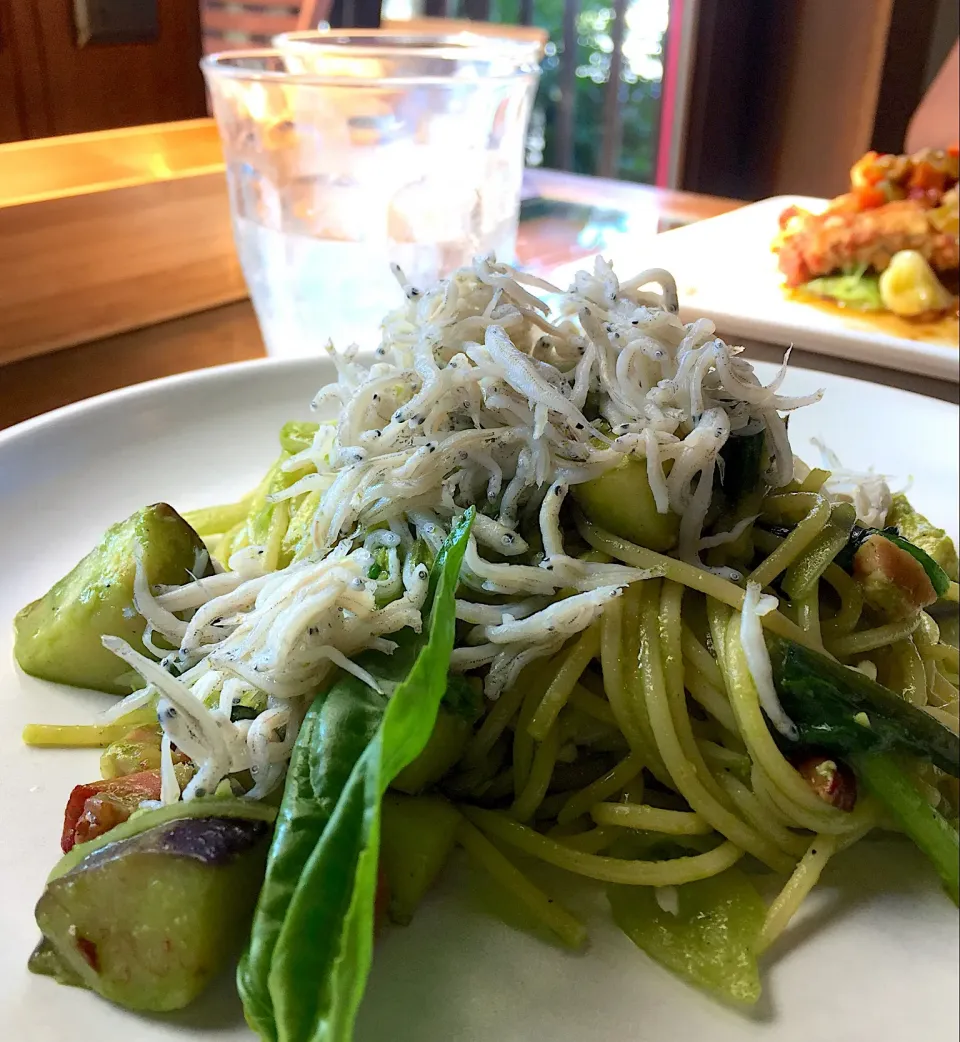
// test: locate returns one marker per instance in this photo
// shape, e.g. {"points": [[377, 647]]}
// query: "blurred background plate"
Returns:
{"points": [[726, 271], [873, 956]]}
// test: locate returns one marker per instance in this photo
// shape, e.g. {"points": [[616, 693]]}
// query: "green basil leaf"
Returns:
{"points": [[304, 973], [825, 699]]}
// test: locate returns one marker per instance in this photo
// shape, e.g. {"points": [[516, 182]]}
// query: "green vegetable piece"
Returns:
{"points": [[949, 630], [924, 824], [744, 460], [824, 698], [298, 538], [417, 836], [464, 697], [147, 921], [712, 938], [262, 512], [858, 290], [58, 636], [621, 501], [739, 489], [381, 563], [297, 435], [45, 961], [921, 533], [143, 820], [305, 970], [139, 750], [208, 521], [461, 706], [442, 751], [249, 705]]}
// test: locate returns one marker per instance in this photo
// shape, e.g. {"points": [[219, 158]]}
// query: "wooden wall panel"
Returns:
{"points": [[24, 22], [783, 94], [11, 115], [112, 84], [827, 119]]}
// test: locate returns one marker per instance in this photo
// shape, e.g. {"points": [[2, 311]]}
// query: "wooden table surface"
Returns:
{"points": [[230, 333]]}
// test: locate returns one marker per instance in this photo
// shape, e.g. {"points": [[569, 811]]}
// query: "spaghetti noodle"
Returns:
{"points": [[641, 536]]}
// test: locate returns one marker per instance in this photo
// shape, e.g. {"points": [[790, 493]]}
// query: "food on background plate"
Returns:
{"points": [[540, 584], [889, 244]]}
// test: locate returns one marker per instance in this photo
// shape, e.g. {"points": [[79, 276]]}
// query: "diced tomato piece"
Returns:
{"points": [[788, 214], [871, 197], [869, 169], [101, 813], [99, 806], [954, 150], [928, 178], [830, 779], [849, 202], [71, 814], [89, 951]]}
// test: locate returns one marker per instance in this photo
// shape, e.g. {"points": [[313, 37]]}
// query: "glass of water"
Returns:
{"points": [[349, 152]]}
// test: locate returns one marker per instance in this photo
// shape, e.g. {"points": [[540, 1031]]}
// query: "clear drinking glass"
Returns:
{"points": [[349, 152]]}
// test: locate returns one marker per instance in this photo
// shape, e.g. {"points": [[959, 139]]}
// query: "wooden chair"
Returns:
{"points": [[232, 24], [228, 25]]}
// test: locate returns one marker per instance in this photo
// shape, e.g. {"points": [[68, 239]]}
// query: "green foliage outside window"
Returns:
{"points": [[639, 83]]}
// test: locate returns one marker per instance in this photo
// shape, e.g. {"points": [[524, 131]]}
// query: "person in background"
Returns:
{"points": [[935, 123]]}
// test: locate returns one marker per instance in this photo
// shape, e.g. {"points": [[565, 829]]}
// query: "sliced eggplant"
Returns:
{"points": [[148, 920]]}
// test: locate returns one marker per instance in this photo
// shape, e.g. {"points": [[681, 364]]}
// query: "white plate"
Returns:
{"points": [[726, 271], [874, 956]]}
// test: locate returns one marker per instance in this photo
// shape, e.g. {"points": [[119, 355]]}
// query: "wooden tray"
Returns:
{"points": [[104, 232]]}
